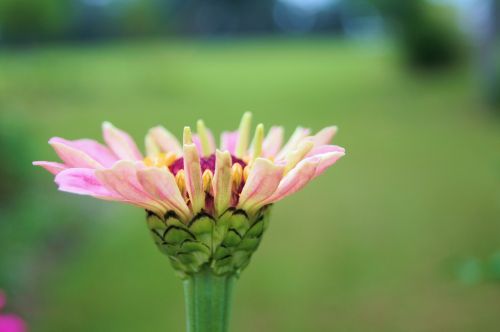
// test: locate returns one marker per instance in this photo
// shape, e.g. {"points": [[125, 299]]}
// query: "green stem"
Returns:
{"points": [[208, 301]]}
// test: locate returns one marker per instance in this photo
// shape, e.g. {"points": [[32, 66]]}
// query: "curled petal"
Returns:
{"points": [[222, 184], [161, 185], [120, 142], [50, 166], [194, 182], [83, 181], [298, 135], [273, 141], [262, 182], [160, 139], [229, 140], [122, 180], [72, 156], [302, 174], [327, 160]]}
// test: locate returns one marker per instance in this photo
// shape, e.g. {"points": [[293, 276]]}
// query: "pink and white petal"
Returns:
{"points": [[83, 181], [122, 180], [262, 182], [324, 136], [122, 145], [160, 139], [273, 141], [51, 166], [160, 183], [197, 143], [325, 149], [298, 135], [95, 150], [295, 180], [71, 156], [305, 171], [222, 184], [194, 182], [229, 139], [327, 160]]}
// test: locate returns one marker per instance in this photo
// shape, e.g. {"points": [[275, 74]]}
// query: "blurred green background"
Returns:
{"points": [[403, 234]]}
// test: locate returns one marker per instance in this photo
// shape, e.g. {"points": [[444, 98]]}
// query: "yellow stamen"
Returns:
{"points": [[148, 161], [180, 178], [236, 175], [207, 180], [160, 160], [246, 172]]}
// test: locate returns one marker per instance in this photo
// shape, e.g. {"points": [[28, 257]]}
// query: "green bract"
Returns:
{"points": [[223, 245]]}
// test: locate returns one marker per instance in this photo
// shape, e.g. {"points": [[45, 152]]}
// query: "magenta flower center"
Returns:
{"points": [[205, 163]]}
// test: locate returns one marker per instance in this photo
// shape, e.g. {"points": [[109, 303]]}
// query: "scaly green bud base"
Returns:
{"points": [[222, 246]]}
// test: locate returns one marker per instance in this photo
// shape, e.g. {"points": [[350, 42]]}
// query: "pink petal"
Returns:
{"points": [[11, 323], [72, 156], [161, 185], [95, 150], [327, 160], [273, 141], [325, 149], [122, 180], [50, 166], [83, 181], [229, 141], [298, 135], [262, 182], [120, 143], [302, 174], [194, 183], [162, 140], [222, 184], [324, 136], [295, 180]]}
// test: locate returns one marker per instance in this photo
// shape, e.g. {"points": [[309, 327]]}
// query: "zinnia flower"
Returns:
{"points": [[206, 206], [10, 322]]}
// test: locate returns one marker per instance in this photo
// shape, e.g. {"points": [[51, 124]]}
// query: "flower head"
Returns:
{"points": [[185, 184], [10, 322]]}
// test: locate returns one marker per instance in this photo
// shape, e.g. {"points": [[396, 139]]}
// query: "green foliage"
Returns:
{"points": [[27, 21], [359, 249], [427, 32]]}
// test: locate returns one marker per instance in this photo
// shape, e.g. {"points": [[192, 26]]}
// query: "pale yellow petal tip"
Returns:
{"points": [[257, 141], [244, 134], [187, 136], [204, 138], [200, 124], [107, 125]]}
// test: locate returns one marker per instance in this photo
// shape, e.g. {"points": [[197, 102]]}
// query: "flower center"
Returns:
{"points": [[207, 163]]}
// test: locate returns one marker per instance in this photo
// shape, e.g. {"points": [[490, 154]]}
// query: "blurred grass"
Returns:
{"points": [[372, 245]]}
